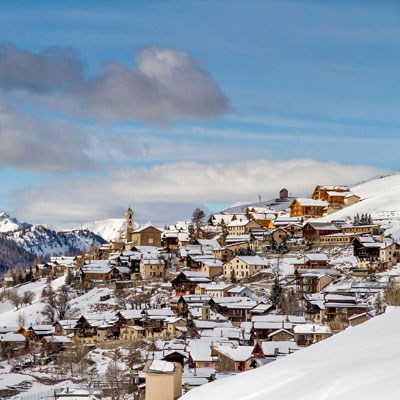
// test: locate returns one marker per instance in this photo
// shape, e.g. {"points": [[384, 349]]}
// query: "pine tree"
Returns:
{"points": [[276, 293]]}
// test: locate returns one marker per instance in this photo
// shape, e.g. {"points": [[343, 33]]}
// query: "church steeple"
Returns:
{"points": [[128, 224]]}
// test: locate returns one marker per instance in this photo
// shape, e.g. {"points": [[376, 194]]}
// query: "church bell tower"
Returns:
{"points": [[128, 225]]}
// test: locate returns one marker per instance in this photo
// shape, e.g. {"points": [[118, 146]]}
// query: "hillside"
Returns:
{"points": [[350, 365], [44, 242], [380, 198], [12, 255]]}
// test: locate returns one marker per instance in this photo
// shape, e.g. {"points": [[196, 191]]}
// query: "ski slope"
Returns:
{"points": [[380, 198], [359, 363]]}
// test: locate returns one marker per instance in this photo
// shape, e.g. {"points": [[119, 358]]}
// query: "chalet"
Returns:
{"points": [[314, 307], [186, 282], [65, 327], [314, 280], [12, 344], [242, 227], [96, 270], [91, 328], [307, 334], [311, 261], [308, 208], [236, 358], [37, 332], [313, 230], [182, 304], [212, 267], [373, 255], [217, 290], [224, 254], [339, 308], [321, 192], [242, 267], [266, 324]]}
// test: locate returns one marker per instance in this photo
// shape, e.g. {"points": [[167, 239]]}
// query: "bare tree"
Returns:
{"points": [[15, 298], [27, 297], [57, 306]]}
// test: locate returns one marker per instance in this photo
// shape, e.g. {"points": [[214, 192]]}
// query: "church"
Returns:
{"points": [[146, 235]]}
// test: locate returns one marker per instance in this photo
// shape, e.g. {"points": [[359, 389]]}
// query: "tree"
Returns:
{"points": [[69, 278], [28, 297], [57, 306], [392, 294], [15, 298], [192, 234], [21, 319], [233, 276], [276, 293], [378, 304], [198, 217], [290, 302]]}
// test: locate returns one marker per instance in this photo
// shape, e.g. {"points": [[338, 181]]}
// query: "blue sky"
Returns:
{"points": [[189, 87]]}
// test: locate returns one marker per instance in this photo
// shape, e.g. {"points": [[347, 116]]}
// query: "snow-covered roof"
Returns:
{"points": [[306, 202], [161, 366], [254, 260], [312, 328], [237, 354]]}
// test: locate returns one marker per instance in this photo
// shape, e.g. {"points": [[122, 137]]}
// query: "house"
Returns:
{"points": [[12, 344], [212, 267], [163, 380], [236, 358], [314, 280], [321, 192], [373, 255], [242, 227], [151, 268], [311, 261], [217, 290], [313, 230], [307, 334], [339, 308], [308, 208], [96, 270], [186, 282], [241, 267], [65, 327]]}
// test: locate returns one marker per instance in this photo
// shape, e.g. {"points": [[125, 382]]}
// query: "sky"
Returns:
{"points": [[171, 105]]}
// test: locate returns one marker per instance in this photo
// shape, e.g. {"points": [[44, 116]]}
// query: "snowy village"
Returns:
{"points": [[180, 306]]}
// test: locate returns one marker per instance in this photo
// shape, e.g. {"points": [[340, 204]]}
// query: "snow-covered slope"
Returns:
{"points": [[108, 229], [359, 363], [10, 224], [45, 242], [380, 198]]}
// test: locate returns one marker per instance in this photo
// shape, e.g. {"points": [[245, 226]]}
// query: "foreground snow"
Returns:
{"points": [[360, 363]]}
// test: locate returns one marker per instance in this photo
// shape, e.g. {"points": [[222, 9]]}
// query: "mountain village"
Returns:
{"points": [[156, 312]]}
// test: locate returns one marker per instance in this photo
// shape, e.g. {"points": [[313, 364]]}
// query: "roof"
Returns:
{"points": [[254, 260], [306, 202], [161, 366], [237, 354], [312, 328]]}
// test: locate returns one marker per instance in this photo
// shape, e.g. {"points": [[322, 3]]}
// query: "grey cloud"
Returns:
{"points": [[54, 68], [167, 85], [41, 146]]}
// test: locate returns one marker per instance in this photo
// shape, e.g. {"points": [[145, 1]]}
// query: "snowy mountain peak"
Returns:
{"points": [[10, 224]]}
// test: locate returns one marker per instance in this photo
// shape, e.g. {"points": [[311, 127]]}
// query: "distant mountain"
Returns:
{"points": [[44, 242], [10, 224], [108, 229], [379, 197]]}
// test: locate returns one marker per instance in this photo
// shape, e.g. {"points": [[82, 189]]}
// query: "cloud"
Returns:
{"points": [[167, 85], [41, 146], [54, 68], [164, 189]]}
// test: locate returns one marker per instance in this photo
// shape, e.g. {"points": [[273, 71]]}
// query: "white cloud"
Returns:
{"points": [[171, 190]]}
